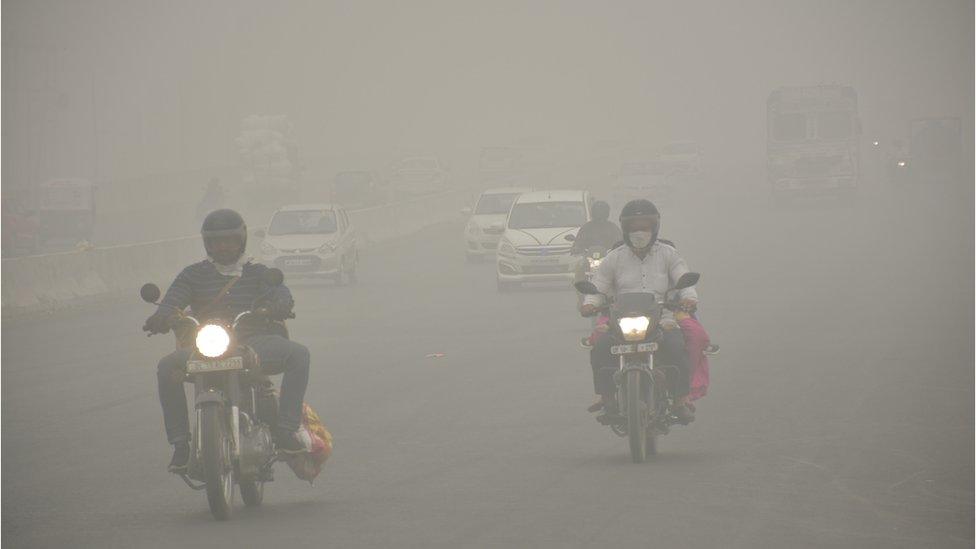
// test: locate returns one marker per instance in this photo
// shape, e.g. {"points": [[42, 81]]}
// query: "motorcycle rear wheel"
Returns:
{"points": [[252, 492], [636, 425], [218, 471]]}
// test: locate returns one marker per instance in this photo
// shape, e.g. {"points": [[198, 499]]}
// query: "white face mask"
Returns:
{"points": [[640, 239]]}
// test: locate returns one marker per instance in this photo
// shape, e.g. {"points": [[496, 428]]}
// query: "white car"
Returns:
{"points": [[681, 158], [487, 222], [311, 240], [534, 246]]}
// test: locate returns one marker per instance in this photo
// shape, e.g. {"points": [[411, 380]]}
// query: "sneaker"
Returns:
{"points": [[585, 343], [181, 458], [289, 442]]}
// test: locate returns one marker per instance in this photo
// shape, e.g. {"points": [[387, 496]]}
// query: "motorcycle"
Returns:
{"points": [[644, 399], [235, 407]]}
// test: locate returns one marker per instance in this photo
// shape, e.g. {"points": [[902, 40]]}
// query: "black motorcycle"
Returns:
{"points": [[235, 407], [644, 398]]}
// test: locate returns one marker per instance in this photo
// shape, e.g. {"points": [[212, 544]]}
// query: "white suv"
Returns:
{"points": [[487, 222], [311, 240], [534, 246]]}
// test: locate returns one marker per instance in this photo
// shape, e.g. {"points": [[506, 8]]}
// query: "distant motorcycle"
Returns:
{"points": [[644, 399], [235, 408]]}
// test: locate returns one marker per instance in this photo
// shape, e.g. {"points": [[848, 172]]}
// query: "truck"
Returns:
{"points": [[812, 141]]}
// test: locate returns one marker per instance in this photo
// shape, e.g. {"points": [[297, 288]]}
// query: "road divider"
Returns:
{"points": [[55, 281]]}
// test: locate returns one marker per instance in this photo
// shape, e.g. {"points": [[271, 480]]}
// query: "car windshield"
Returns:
{"points": [[834, 125], [790, 127], [495, 203], [547, 215], [303, 222]]}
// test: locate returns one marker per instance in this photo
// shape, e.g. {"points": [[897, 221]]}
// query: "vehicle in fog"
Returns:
{"points": [[234, 408], [418, 176], [499, 162], [66, 210], [648, 179], [935, 149], [812, 141], [681, 158], [644, 399], [534, 247], [360, 188], [311, 241], [487, 222]]}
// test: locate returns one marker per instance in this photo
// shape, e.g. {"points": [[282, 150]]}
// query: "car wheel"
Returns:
{"points": [[351, 275], [340, 271]]}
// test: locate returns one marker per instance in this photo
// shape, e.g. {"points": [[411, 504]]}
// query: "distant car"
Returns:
{"points": [[418, 176], [311, 241], [533, 247], [359, 188], [681, 158], [649, 180], [487, 222]]}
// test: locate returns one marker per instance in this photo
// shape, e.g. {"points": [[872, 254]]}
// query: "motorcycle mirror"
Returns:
{"points": [[149, 293], [570, 237], [274, 277], [687, 280], [586, 287]]}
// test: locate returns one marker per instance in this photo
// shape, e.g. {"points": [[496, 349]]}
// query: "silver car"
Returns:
{"points": [[311, 241]]}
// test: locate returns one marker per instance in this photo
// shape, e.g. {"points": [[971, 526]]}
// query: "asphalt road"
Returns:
{"points": [[840, 412]]}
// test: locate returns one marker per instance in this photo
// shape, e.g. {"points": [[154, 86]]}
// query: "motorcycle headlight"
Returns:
{"points": [[267, 249], [594, 263], [212, 340], [634, 328], [902, 163]]}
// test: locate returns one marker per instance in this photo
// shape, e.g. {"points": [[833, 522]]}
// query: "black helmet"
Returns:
{"points": [[639, 209], [221, 224], [600, 210]]}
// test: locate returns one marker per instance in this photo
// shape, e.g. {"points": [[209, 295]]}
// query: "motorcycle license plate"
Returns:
{"points": [[216, 365], [627, 349], [621, 349], [297, 262]]}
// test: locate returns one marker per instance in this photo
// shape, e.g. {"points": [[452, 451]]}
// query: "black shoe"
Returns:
{"points": [[683, 414], [181, 458], [288, 442], [585, 343]]}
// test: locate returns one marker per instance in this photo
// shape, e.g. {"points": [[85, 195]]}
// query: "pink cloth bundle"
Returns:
{"points": [[696, 340]]}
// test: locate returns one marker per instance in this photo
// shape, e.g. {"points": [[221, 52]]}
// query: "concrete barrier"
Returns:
{"points": [[54, 281]]}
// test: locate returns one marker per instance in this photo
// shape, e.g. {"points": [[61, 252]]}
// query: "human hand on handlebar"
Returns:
{"points": [[158, 323]]}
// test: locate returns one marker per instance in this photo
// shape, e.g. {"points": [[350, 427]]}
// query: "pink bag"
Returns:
{"points": [[696, 340]]}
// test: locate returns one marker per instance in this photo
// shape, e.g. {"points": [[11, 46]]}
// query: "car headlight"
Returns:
{"points": [[506, 248], [473, 229], [212, 340], [634, 328], [327, 248], [268, 249]]}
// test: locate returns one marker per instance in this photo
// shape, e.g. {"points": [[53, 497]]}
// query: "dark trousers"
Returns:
{"points": [[278, 356], [670, 352]]}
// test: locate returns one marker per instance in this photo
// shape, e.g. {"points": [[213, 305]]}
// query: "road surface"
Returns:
{"points": [[840, 412]]}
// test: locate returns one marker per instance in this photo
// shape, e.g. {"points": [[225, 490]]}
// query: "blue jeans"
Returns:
{"points": [[278, 356]]}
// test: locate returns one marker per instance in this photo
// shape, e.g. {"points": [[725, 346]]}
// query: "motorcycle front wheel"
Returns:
{"points": [[636, 424], [218, 471]]}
